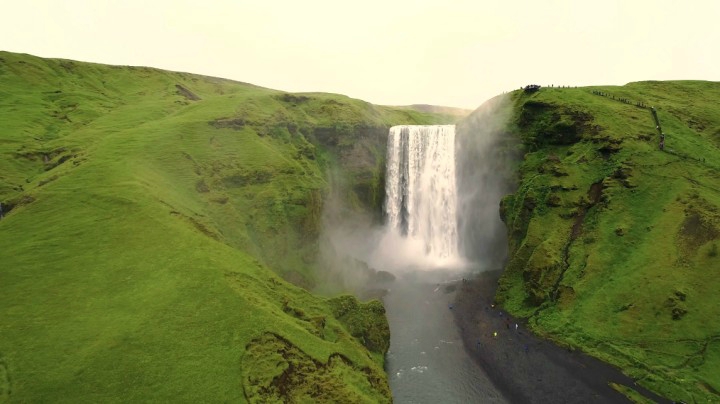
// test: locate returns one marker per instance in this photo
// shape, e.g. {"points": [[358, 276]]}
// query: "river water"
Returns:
{"points": [[427, 361]]}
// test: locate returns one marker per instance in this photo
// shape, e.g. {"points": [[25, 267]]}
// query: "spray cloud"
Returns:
{"points": [[443, 189]]}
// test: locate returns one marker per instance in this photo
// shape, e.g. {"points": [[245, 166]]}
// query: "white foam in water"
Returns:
{"points": [[419, 369], [421, 200]]}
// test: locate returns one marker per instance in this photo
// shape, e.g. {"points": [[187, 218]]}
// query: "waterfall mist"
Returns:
{"points": [[486, 157], [443, 189]]}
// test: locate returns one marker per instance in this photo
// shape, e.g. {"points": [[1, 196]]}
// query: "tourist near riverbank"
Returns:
{"points": [[525, 368]]}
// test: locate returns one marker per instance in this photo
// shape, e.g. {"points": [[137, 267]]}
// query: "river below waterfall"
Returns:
{"points": [[427, 361]]}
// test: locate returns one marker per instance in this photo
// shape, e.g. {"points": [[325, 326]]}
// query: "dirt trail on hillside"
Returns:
{"points": [[524, 367]]}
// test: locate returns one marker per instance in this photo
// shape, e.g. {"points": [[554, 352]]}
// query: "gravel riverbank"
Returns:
{"points": [[528, 369]]}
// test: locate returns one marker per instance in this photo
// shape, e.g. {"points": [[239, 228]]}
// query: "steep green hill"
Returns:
{"points": [[614, 242], [143, 213]]}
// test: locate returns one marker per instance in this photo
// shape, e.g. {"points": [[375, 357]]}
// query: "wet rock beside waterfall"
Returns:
{"points": [[382, 277]]}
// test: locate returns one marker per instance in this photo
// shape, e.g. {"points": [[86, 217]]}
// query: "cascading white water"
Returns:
{"points": [[421, 194], [442, 197]]}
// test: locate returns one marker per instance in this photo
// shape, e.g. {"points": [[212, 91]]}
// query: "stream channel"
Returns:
{"points": [[427, 361]]}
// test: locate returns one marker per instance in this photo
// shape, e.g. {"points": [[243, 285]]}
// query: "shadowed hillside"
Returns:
{"points": [[144, 214], [613, 241]]}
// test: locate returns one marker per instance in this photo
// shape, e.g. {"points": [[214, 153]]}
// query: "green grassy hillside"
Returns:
{"points": [[143, 213], [614, 242]]}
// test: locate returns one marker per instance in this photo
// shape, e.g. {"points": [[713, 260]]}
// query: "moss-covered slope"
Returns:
{"points": [[613, 241], [143, 213]]}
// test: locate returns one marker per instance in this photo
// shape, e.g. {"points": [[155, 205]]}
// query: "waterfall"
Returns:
{"points": [[421, 193]]}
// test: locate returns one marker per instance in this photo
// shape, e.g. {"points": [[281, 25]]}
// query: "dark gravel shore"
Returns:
{"points": [[525, 368]]}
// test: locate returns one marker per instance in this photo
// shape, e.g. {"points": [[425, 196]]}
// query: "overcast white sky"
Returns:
{"points": [[445, 52]]}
